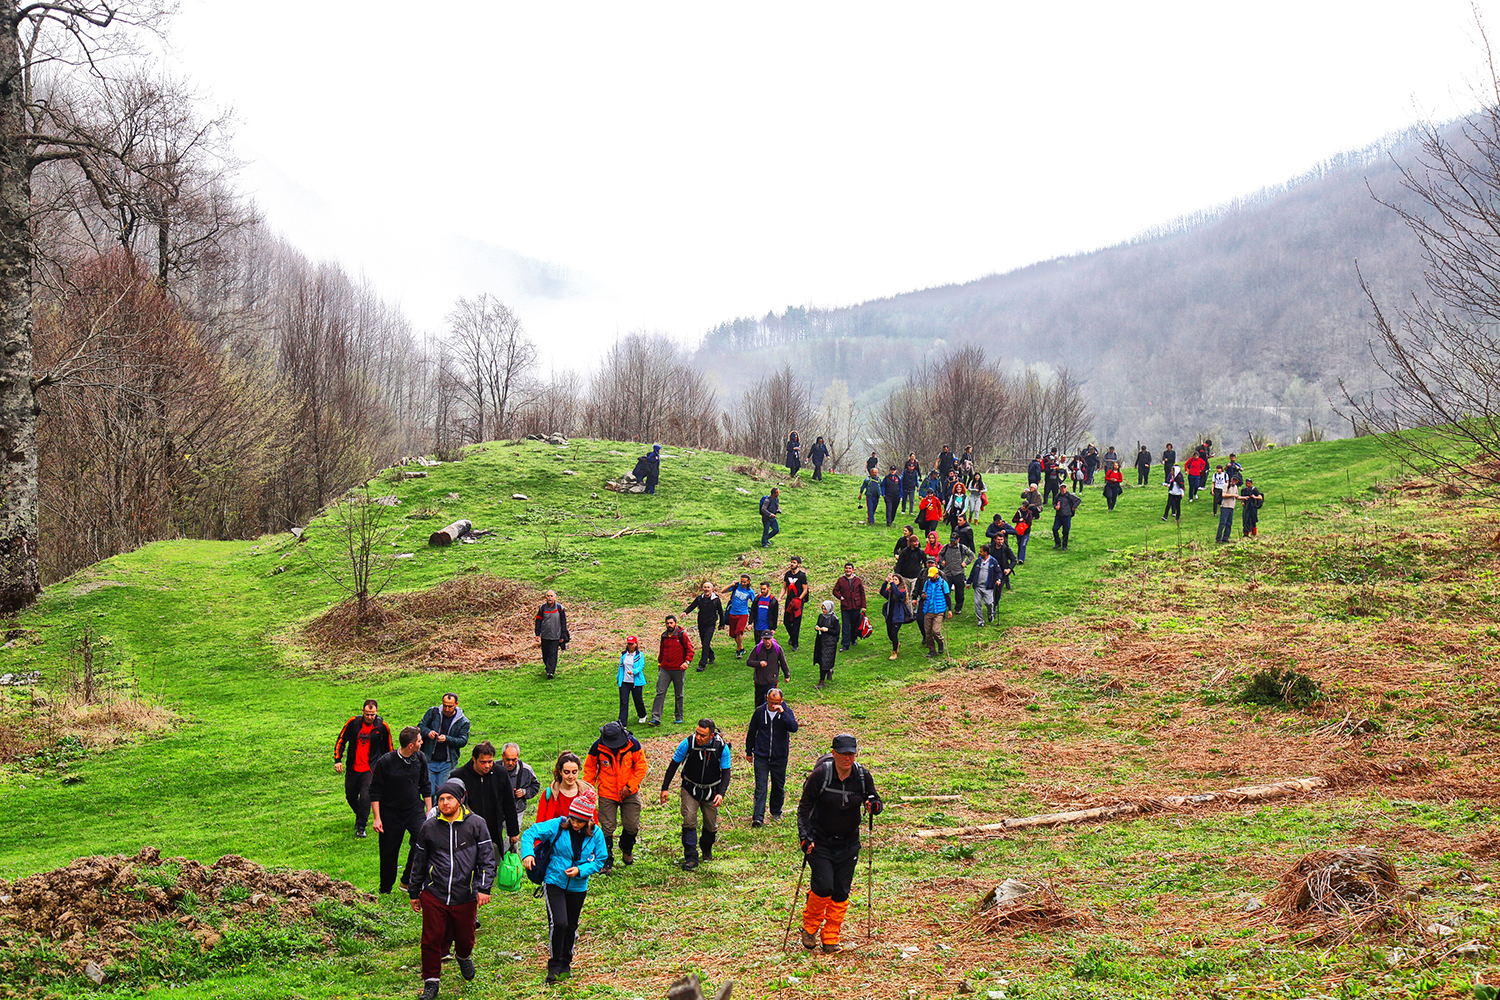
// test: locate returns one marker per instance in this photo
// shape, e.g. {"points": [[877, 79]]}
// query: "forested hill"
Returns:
{"points": [[1239, 319]]}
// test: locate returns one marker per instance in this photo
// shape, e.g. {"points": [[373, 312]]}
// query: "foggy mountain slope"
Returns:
{"points": [[1241, 319]]}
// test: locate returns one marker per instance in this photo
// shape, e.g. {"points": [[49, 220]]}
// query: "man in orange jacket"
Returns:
{"points": [[616, 765]]}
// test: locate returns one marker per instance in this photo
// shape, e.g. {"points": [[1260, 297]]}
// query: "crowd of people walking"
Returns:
{"points": [[421, 792]]}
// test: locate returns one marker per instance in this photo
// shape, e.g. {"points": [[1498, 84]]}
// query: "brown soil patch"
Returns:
{"points": [[90, 909], [473, 622]]}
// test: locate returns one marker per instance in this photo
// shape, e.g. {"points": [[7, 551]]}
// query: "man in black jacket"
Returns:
{"points": [[945, 463], [367, 738], [828, 822], [452, 873], [1065, 506], [768, 744], [710, 618], [1168, 462], [400, 795], [490, 793], [911, 478], [1142, 466]]}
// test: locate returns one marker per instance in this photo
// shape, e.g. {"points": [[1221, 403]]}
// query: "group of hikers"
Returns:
{"points": [[449, 816], [415, 787]]}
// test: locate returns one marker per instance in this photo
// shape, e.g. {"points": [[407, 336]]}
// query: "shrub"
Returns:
{"points": [[1281, 687]]}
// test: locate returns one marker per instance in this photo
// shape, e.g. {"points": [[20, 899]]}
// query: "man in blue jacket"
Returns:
{"points": [[767, 746], [911, 477], [817, 455], [737, 612], [984, 577], [891, 488], [445, 730], [705, 760], [452, 872]]}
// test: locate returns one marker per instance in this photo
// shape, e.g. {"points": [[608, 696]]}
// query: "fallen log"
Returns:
{"points": [[450, 534], [1248, 793], [932, 798]]}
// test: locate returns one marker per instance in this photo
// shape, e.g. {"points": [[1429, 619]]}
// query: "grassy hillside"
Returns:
{"points": [[1017, 720]]}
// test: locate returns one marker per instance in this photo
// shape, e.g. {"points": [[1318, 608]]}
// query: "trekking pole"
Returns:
{"points": [[870, 886], [793, 911]]}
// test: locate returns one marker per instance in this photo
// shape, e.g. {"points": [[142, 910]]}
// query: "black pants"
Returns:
{"points": [[396, 826], [1111, 494], [793, 625], [549, 655], [760, 693], [769, 775], [563, 910], [957, 583], [1050, 491], [851, 628], [705, 646], [833, 867], [1143, 475], [1060, 527], [1174, 507], [893, 633], [818, 470], [890, 510], [357, 794], [626, 691]]}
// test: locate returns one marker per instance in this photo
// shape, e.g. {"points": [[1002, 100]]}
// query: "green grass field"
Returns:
{"points": [[211, 629]]}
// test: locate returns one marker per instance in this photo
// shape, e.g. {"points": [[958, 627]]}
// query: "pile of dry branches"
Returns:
{"points": [[1341, 893], [1041, 909]]}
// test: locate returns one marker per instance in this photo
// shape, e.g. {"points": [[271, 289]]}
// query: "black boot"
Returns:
{"points": [[609, 853], [706, 843], [627, 848], [689, 848]]}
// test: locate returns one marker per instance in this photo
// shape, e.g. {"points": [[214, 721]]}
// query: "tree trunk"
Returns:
{"points": [[450, 534], [19, 580]]}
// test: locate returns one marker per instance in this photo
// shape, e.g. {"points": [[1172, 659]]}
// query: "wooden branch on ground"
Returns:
{"points": [[932, 798], [451, 534], [1249, 793]]}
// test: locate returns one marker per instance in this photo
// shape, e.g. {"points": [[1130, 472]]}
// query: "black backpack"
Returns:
{"points": [[826, 762], [542, 852], [713, 751]]}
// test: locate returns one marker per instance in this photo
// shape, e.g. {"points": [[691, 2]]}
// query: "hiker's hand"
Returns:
{"points": [[807, 846], [538, 640], [442, 739], [520, 793], [484, 897], [528, 862], [338, 767], [663, 800], [416, 906], [514, 841], [572, 872], [379, 826], [432, 734], [718, 801]]}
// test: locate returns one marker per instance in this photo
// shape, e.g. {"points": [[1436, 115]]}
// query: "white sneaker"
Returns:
{"points": [[641, 721]]}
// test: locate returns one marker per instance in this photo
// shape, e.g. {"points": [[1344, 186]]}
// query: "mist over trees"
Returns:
{"points": [[1234, 321]]}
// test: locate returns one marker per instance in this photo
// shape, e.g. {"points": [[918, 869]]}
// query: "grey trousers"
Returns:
{"points": [[984, 604], [610, 811], [663, 678]]}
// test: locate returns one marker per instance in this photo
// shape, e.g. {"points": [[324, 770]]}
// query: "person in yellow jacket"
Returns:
{"points": [[616, 766]]}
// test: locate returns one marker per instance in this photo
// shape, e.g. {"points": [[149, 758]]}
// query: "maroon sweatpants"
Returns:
{"points": [[443, 925]]}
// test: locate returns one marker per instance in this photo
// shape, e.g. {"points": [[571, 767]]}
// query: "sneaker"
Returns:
{"points": [[654, 722], [430, 990], [360, 834], [677, 721], [776, 817], [756, 824], [1163, 519], [809, 941], [551, 978], [739, 654], [701, 668], [466, 969], [641, 721]]}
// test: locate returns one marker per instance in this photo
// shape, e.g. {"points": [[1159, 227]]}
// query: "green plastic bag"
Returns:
{"points": [[511, 874]]}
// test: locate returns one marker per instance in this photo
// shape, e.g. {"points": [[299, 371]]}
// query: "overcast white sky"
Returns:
{"points": [[611, 167]]}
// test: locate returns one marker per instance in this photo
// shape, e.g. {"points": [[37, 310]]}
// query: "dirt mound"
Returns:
{"points": [[91, 908], [476, 621]]}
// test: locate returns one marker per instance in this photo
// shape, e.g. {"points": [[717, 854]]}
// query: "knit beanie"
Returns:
{"points": [[583, 806]]}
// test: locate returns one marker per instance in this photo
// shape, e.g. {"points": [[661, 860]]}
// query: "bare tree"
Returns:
{"points": [[839, 420], [1440, 354], [492, 360], [776, 405], [360, 566], [646, 390]]}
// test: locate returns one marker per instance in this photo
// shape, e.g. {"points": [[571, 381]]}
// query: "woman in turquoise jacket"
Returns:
{"points": [[631, 680], [578, 851]]}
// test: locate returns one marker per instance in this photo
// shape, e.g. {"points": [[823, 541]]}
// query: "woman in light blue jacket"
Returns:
{"points": [[578, 851], [631, 679]]}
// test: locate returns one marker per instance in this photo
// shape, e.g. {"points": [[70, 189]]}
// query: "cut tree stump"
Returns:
{"points": [[450, 534], [1249, 793]]}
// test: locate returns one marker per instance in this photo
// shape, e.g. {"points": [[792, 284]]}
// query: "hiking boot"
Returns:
{"points": [[466, 969], [702, 667], [627, 858], [430, 990], [756, 824], [689, 864], [809, 941], [829, 949], [609, 864], [891, 657], [551, 978], [566, 972]]}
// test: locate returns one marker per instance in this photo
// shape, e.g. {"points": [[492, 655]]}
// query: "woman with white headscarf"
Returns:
{"points": [[1175, 489], [826, 645]]}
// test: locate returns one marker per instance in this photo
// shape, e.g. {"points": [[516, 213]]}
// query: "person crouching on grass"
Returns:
{"points": [[452, 871]]}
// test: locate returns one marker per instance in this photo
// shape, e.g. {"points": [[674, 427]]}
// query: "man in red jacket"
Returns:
{"points": [[367, 738], [672, 659], [850, 591]]}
